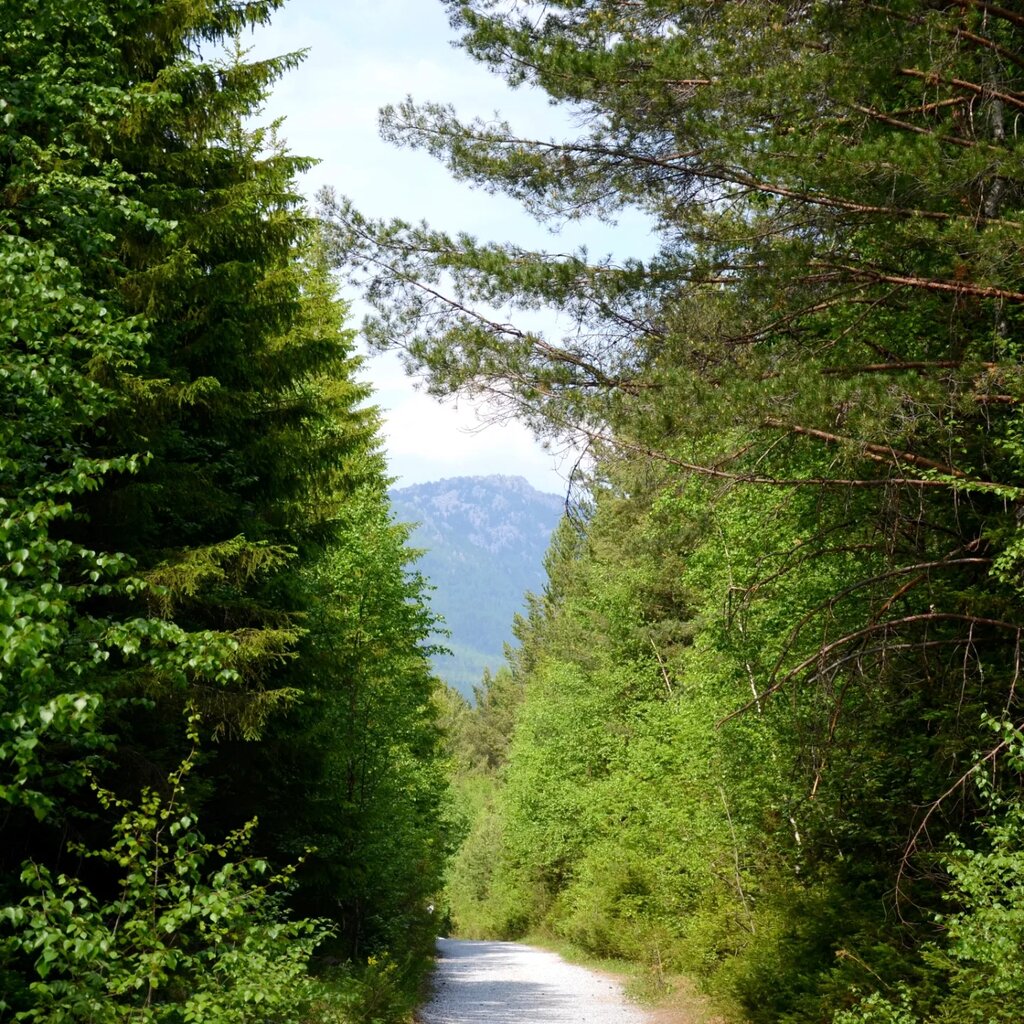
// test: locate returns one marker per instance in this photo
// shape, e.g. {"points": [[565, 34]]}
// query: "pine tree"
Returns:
{"points": [[823, 352], [837, 295]]}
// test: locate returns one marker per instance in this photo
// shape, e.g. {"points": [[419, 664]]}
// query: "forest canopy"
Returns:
{"points": [[766, 715], [764, 725], [217, 737]]}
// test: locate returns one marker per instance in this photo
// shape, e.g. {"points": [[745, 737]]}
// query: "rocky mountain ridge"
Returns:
{"points": [[484, 540]]}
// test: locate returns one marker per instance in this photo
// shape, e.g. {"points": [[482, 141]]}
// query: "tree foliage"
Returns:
{"points": [[198, 566], [756, 692]]}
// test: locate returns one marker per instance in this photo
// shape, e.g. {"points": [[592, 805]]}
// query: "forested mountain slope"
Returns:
{"points": [[766, 723], [218, 746], [483, 540]]}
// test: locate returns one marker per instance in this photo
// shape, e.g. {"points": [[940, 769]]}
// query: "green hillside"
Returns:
{"points": [[484, 539]]}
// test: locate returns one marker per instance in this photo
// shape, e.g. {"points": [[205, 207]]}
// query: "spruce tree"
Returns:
{"points": [[184, 450]]}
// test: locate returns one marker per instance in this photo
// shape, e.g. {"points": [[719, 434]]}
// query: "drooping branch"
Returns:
{"points": [[619, 444], [805, 556], [921, 568], [876, 452], [912, 843]]}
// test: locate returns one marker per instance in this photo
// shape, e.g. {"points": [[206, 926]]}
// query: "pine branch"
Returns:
{"points": [[931, 284], [958, 31], [876, 452], [934, 78], [923, 364], [597, 437], [907, 127]]}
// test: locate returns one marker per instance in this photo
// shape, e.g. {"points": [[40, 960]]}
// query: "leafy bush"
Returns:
{"points": [[381, 990], [192, 933], [978, 974]]}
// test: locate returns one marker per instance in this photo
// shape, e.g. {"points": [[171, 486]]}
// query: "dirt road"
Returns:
{"points": [[505, 983]]}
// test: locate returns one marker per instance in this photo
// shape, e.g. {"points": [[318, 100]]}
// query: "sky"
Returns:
{"points": [[363, 54]]}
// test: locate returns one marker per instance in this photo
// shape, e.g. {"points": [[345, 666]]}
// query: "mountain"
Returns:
{"points": [[484, 539]]}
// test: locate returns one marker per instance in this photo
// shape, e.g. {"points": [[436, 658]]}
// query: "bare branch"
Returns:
{"points": [[821, 653], [911, 846]]}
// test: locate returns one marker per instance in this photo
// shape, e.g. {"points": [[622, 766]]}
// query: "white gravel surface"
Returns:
{"points": [[505, 983]]}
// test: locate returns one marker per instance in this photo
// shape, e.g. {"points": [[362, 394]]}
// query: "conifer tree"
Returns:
{"points": [[835, 302], [184, 450], [819, 375]]}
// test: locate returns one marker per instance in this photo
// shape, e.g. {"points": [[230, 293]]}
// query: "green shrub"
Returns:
{"points": [[191, 932], [977, 975], [379, 991]]}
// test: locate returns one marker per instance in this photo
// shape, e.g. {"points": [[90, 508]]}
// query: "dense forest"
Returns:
{"points": [[765, 723], [763, 728], [220, 752]]}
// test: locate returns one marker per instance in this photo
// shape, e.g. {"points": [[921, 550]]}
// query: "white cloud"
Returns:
{"points": [[363, 55], [427, 439]]}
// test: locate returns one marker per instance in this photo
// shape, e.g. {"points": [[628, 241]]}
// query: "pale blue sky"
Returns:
{"points": [[362, 55]]}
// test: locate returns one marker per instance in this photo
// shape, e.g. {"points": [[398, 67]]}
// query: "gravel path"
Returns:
{"points": [[505, 983]]}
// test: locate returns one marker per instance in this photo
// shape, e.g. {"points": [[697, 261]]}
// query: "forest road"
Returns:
{"points": [[506, 983]]}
